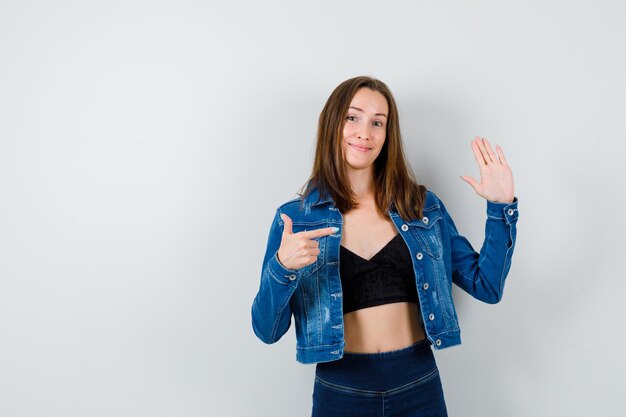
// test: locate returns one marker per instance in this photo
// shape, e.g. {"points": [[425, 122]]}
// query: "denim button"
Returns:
{"points": [[426, 285], [438, 342], [511, 211], [404, 227], [292, 277], [431, 317], [419, 255], [425, 220]]}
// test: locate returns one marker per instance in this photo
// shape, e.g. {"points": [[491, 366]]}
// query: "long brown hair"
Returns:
{"points": [[394, 181]]}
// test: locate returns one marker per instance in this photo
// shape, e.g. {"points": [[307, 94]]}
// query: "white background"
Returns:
{"points": [[144, 146]]}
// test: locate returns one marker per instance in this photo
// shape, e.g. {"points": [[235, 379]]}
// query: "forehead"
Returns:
{"points": [[370, 101]]}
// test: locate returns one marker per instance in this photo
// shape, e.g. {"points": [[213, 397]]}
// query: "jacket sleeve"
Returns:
{"points": [[483, 275], [271, 314]]}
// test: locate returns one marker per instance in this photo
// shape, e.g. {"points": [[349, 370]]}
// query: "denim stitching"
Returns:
{"points": [[419, 233], [319, 303], [383, 405], [278, 316], [418, 381], [507, 260], [304, 348], [306, 317], [349, 390], [375, 393]]}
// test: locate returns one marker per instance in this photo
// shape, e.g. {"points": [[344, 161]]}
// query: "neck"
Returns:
{"points": [[362, 183]]}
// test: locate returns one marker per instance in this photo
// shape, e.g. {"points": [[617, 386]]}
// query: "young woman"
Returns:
{"points": [[364, 260]]}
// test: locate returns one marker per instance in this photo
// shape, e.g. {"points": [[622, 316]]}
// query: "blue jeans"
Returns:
{"points": [[403, 382]]}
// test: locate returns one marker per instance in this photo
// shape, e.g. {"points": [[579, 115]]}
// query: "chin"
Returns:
{"points": [[359, 166]]}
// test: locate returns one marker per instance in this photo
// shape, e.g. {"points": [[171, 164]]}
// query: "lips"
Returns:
{"points": [[359, 148]]}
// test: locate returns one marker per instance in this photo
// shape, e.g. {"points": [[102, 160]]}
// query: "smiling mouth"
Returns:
{"points": [[360, 148]]}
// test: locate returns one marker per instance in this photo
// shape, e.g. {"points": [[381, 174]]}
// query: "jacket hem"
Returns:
{"points": [[328, 353], [446, 340], [320, 353]]}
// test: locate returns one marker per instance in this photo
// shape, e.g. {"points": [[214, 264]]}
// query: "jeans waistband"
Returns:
{"points": [[380, 370]]}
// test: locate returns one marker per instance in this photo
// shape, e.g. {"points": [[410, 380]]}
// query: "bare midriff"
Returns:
{"points": [[382, 328]]}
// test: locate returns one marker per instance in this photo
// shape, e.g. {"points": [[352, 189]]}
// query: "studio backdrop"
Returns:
{"points": [[145, 146]]}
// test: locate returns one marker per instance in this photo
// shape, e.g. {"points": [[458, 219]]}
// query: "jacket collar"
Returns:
{"points": [[314, 199]]}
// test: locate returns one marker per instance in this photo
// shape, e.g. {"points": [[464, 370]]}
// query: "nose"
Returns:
{"points": [[363, 133]]}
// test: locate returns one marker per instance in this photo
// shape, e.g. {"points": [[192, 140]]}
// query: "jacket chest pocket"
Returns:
{"points": [[322, 242], [427, 231]]}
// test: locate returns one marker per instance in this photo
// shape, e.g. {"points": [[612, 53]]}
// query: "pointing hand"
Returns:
{"points": [[298, 250]]}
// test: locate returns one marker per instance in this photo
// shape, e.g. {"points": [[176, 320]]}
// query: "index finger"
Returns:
{"points": [[324, 231]]}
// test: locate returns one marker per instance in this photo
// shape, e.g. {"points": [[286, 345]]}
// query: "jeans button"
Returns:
{"points": [[292, 277], [438, 342], [419, 255], [425, 220], [510, 211], [404, 227], [431, 317], [426, 285]]}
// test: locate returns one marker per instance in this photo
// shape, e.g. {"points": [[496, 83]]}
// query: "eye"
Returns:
{"points": [[378, 123], [351, 117]]}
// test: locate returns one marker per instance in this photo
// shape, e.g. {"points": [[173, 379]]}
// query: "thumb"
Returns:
{"points": [[287, 230], [471, 181]]}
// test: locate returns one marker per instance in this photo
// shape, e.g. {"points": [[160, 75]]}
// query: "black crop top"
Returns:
{"points": [[387, 277]]}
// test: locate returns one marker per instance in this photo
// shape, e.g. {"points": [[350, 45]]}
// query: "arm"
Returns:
{"points": [[483, 275], [271, 314]]}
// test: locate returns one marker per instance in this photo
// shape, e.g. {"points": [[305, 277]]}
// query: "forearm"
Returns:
{"points": [[271, 314], [483, 274]]}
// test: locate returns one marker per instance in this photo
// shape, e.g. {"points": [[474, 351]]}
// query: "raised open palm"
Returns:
{"points": [[496, 178]]}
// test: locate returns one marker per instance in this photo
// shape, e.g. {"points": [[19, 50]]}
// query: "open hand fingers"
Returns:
{"points": [[478, 154], [501, 155], [485, 149], [490, 152]]}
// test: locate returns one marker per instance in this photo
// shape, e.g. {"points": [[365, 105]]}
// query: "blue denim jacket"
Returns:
{"points": [[440, 256]]}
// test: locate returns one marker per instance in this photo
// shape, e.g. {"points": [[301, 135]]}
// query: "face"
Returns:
{"points": [[364, 129]]}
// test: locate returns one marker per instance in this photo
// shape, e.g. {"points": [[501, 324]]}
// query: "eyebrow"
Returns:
{"points": [[361, 110]]}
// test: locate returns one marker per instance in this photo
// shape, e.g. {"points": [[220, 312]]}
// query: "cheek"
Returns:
{"points": [[348, 130], [381, 143]]}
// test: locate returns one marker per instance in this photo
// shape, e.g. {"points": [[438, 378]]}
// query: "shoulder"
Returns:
{"points": [[432, 201], [290, 204], [292, 208]]}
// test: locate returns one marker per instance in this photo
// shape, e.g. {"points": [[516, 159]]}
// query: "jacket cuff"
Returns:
{"points": [[506, 211], [282, 274]]}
